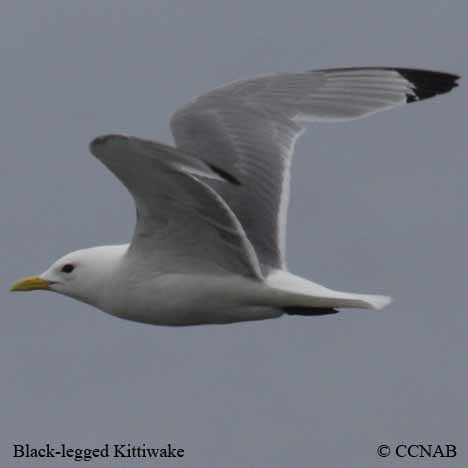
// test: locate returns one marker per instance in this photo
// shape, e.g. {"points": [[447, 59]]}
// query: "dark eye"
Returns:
{"points": [[68, 268]]}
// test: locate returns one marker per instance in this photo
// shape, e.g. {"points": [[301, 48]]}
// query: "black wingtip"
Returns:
{"points": [[427, 83], [225, 175]]}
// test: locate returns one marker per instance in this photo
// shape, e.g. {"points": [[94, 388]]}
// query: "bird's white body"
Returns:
{"points": [[189, 298], [209, 243], [162, 298]]}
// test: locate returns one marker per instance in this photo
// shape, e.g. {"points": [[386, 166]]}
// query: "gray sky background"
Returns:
{"points": [[377, 205]]}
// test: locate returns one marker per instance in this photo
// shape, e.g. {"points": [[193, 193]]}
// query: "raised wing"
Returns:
{"points": [[248, 129], [183, 225]]}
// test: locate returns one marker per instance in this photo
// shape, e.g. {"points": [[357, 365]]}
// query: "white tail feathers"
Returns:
{"points": [[292, 290], [376, 302]]}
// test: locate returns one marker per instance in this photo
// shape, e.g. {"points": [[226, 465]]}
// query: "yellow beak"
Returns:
{"points": [[30, 283]]}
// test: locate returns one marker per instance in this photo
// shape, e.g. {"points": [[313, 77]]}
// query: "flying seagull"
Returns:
{"points": [[209, 241]]}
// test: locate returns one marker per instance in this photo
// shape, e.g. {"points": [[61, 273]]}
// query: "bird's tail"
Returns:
{"points": [[302, 297]]}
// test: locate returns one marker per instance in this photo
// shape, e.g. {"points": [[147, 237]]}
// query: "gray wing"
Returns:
{"points": [[183, 225], [247, 130]]}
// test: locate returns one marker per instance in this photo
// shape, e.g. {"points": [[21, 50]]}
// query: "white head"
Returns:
{"points": [[81, 274]]}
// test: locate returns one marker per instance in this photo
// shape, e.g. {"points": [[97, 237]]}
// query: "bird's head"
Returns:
{"points": [[80, 274]]}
